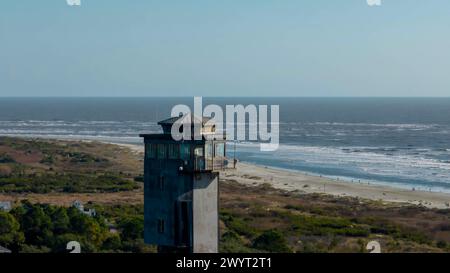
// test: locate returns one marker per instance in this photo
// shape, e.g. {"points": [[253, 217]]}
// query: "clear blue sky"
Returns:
{"points": [[224, 48]]}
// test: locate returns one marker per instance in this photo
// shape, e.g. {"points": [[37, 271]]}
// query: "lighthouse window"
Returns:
{"points": [[162, 153], [198, 151], [185, 151], [160, 225], [151, 150], [220, 149], [208, 150], [174, 151], [161, 183]]}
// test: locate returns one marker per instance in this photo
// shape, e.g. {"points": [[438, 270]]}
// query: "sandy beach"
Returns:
{"points": [[250, 174]]}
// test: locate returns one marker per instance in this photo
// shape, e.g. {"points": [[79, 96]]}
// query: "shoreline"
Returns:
{"points": [[255, 175], [295, 181], [290, 180]]}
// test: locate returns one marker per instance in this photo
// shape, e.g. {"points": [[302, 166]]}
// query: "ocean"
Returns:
{"points": [[399, 142]]}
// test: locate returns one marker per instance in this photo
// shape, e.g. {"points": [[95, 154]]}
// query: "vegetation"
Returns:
{"points": [[273, 222], [45, 228], [5, 158], [71, 167], [273, 241], [252, 219], [66, 183], [268, 220]]}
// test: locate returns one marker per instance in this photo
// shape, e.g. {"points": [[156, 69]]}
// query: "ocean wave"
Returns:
{"points": [[359, 162], [388, 125]]}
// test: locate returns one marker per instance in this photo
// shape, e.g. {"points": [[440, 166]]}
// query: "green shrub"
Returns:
{"points": [[132, 228], [441, 244], [10, 234], [6, 158], [48, 159], [80, 183], [272, 241], [322, 225], [238, 225], [139, 178], [231, 242]]}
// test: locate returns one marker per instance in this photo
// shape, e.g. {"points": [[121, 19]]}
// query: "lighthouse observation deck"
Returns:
{"points": [[193, 155]]}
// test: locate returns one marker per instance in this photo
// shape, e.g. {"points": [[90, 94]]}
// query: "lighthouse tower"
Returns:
{"points": [[181, 188]]}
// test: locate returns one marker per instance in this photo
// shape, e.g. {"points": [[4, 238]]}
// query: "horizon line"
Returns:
{"points": [[228, 97]]}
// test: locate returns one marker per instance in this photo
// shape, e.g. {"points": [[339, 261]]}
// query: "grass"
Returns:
{"points": [[69, 183], [44, 166], [256, 219]]}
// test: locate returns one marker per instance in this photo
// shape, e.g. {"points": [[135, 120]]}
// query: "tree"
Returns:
{"points": [[112, 243], [132, 228], [61, 221], [10, 234], [36, 225], [86, 226]]}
